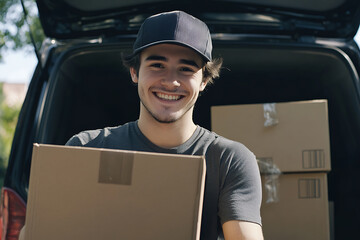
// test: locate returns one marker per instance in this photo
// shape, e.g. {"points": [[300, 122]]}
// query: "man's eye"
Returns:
{"points": [[157, 65], [186, 69]]}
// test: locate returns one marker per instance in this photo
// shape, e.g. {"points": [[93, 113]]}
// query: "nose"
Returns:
{"points": [[170, 80]]}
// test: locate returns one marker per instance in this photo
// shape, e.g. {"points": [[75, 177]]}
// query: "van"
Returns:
{"points": [[273, 51]]}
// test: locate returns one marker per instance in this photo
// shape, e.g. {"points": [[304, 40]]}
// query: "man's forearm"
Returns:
{"points": [[241, 230]]}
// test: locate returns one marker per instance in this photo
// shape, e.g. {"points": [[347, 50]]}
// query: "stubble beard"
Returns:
{"points": [[165, 121]]}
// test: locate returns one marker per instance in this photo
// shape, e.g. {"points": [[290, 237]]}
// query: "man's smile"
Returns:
{"points": [[168, 97]]}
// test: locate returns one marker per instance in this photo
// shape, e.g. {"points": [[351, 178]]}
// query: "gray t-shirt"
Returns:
{"points": [[232, 187]]}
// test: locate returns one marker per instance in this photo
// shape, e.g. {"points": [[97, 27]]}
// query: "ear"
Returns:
{"points": [[133, 74], [203, 85]]}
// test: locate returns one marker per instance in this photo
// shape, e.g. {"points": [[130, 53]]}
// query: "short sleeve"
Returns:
{"points": [[240, 185], [73, 141], [90, 138]]}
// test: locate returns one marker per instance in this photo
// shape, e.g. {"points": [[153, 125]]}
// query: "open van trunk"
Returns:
{"points": [[273, 50], [94, 90]]}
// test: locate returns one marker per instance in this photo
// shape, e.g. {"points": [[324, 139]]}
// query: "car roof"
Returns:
{"points": [[65, 19]]}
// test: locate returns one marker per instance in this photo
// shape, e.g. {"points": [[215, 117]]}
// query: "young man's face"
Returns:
{"points": [[169, 81]]}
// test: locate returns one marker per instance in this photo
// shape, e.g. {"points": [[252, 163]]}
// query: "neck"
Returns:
{"points": [[167, 135]]}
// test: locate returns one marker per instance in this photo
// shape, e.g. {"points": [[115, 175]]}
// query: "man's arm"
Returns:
{"points": [[241, 230]]}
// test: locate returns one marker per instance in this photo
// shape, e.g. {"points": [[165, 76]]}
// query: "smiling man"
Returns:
{"points": [[171, 64], [169, 82]]}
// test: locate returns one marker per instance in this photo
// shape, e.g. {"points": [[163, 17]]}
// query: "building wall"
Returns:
{"points": [[14, 93]]}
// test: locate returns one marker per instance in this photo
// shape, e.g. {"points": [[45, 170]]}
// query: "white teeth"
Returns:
{"points": [[167, 97]]}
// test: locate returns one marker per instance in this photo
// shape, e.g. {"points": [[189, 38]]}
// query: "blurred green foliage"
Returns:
{"points": [[14, 31], [8, 119], [15, 28]]}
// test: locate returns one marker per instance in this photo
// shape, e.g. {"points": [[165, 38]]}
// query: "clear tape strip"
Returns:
{"points": [[270, 114], [271, 175]]}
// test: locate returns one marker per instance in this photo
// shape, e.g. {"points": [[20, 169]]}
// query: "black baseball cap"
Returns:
{"points": [[175, 27]]}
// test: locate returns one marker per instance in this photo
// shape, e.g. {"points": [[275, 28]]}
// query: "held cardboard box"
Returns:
{"points": [[85, 193], [299, 142], [302, 211]]}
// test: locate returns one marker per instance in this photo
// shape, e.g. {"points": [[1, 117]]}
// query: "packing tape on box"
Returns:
{"points": [[271, 175], [270, 115], [116, 168]]}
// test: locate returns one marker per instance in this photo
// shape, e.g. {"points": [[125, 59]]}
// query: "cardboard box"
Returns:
{"points": [[302, 211], [85, 193], [299, 142]]}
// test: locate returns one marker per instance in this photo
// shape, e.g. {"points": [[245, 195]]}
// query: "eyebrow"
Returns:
{"points": [[189, 62], [162, 58], [156, 58]]}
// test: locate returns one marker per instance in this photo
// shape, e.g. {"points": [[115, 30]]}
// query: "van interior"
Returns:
{"points": [[94, 90]]}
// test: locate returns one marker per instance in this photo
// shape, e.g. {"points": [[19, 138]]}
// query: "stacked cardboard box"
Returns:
{"points": [[294, 137]]}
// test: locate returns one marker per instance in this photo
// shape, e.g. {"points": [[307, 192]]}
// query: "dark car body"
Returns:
{"points": [[274, 51]]}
